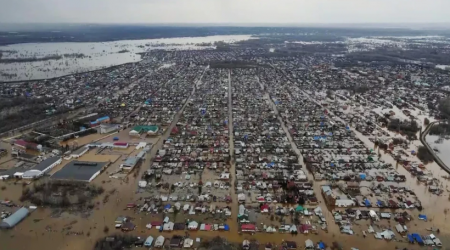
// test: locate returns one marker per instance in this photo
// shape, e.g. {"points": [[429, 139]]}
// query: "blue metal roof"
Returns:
{"points": [[148, 242], [15, 218], [131, 161], [410, 238], [321, 245], [103, 118], [418, 238]]}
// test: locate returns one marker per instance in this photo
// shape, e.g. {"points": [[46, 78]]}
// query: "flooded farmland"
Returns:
{"points": [[442, 147], [81, 57]]}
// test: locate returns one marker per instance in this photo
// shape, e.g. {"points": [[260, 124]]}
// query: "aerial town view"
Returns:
{"points": [[223, 137]]}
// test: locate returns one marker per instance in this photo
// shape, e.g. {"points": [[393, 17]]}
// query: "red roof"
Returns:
{"points": [[248, 227], [120, 144], [21, 142], [265, 206], [156, 223], [174, 130], [305, 227]]}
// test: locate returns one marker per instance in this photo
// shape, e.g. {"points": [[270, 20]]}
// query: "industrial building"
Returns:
{"points": [[17, 171], [99, 121], [43, 167], [14, 219], [79, 152], [80, 171], [130, 163], [138, 130], [107, 128]]}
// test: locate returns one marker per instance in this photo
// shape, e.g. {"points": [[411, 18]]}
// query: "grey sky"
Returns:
{"points": [[225, 11]]}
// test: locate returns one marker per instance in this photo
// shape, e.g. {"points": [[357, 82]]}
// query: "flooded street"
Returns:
{"points": [[254, 108], [32, 234], [122, 193]]}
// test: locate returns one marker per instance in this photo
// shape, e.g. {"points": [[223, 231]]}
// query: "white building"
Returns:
{"points": [[79, 152], [43, 167], [107, 128], [129, 163]]}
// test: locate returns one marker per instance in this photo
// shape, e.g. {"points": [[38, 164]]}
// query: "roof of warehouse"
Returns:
{"points": [[79, 151], [15, 218], [131, 161], [45, 163], [79, 170]]}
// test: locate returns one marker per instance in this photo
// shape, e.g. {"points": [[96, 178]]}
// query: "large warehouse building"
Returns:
{"points": [[14, 219], [42, 168], [80, 171]]}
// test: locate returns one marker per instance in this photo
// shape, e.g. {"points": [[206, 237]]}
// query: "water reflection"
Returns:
{"points": [[441, 147]]}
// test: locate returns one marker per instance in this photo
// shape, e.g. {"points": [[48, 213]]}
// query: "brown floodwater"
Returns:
{"points": [[41, 231]]}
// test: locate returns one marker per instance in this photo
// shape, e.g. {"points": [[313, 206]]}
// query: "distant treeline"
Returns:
{"points": [[39, 33], [30, 59], [400, 56], [440, 129], [18, 111], [7, 75], [74, 55], [38, 59]]}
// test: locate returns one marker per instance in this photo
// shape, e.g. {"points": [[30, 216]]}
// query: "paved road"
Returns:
{"points": [[435, 156], [158, 145], [231, 141]]}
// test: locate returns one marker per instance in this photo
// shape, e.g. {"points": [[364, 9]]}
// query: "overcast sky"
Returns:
{"points": [[225, 11]]}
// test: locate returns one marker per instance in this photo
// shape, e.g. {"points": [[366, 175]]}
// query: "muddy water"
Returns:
{"points": [[443, 147], [234, 205], [434, 206], [430, 202], [32, 234]]}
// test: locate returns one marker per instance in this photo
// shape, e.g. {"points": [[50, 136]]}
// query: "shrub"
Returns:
{"points": [[424, 155]]}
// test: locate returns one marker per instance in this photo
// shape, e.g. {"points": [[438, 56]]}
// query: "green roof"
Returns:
{"points": [[145, 128]]}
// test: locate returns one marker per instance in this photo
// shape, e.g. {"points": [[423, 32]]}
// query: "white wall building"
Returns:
{"points": [[43, 167]]}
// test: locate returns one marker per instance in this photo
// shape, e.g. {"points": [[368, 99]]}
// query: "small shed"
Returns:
{"points": [[193, 225], [291, 245], [176, 241], [188, 243], [160, 241], [309, 244], [148, 242], [248, 228], [399, 228], [168, 226]]}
